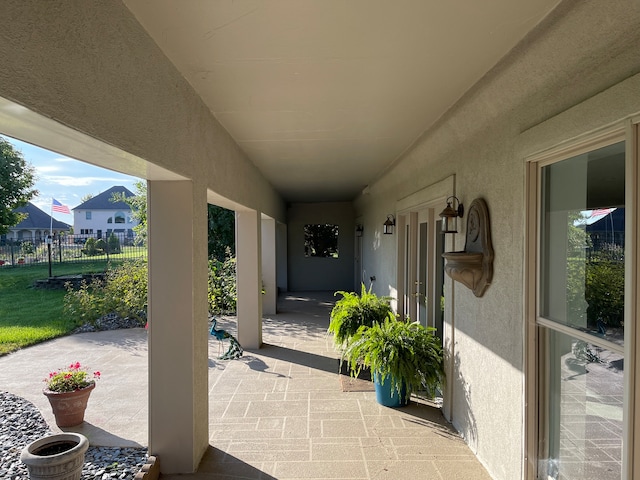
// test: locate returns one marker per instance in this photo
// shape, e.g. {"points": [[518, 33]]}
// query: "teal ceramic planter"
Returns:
{"points": [[387, 395]]}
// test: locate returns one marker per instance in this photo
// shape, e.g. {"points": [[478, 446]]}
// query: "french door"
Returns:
{"points": [[423, 268]]}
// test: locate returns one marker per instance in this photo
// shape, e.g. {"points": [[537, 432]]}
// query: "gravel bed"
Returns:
{"points": [[21, 423], [110, 321]]}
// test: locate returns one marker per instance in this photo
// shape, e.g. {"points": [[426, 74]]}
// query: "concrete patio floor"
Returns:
{"points": [[279, 412]]}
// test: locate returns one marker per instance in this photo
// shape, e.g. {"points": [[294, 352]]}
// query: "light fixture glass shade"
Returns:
{"points": [[387, 226], [450, 217], [450, 224]]}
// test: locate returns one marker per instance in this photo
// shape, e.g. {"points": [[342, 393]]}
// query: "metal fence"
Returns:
{"points": [[69, 249]]}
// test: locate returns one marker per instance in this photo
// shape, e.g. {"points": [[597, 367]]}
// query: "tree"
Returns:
{"points": [[138, 204], [86, 198], [222, 236], [16, 185], [221, 223]]}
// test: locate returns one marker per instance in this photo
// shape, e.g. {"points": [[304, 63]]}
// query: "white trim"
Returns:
{"points": [[580, 335], [579, 145], [428, 196], [620, 131], [631, 426]]}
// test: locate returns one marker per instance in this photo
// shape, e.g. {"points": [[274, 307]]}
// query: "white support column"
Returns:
{"points": [[269, 299], [178, 354], [249, 272]]}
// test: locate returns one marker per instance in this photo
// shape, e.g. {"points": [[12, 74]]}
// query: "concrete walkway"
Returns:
{"points": [[279, 412]]}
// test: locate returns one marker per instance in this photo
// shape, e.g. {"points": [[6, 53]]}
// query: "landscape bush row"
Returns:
{"points": [[123, 291]]}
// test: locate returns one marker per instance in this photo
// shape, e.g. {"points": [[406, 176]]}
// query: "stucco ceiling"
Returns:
{"points": [[325, 95]]}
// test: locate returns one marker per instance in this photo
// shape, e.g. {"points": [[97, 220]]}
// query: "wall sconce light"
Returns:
{"points": [[359, 230], [388, 225], [450, 215]]}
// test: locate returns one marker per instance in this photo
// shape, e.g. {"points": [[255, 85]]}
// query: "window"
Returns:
{"points": [[110, 220], [580, 319], [119, 217], [321, 240], [87, 215], [582, 243]]}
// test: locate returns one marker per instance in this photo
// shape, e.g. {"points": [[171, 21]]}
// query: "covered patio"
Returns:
{"points": [[282, 411], [349, 115]]}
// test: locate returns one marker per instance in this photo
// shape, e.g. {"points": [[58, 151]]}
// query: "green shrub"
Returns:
{"points": [[114, 243], [86, 304], [124, 292], [604, 292], [90, 247], [353, 311], [101, 246], [222, 293], [27, 248]]}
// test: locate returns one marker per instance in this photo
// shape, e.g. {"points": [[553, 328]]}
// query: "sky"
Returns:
{"points": [[65, 179]]}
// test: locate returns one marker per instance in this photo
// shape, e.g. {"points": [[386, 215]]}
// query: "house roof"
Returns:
{"points": [[38, 219], [103, 200]]}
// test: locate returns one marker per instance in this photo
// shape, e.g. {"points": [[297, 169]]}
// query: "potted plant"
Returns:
{"points": [[59, 457], [68, 391], [353, 311], [403, 356]]}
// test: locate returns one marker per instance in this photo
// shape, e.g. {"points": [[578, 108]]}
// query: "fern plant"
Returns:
{"points": [[407, 352], [353, 311]]}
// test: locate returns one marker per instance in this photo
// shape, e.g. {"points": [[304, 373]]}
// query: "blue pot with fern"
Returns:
{"points": [[389, 394], [403, 356]]}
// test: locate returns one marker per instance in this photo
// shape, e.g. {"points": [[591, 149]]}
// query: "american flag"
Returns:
{"points": [[56, 206], [601, 211]]}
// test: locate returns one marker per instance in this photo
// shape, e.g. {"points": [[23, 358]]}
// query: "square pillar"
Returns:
{"points": [[270, 296], [178, 354], [249, 282]]}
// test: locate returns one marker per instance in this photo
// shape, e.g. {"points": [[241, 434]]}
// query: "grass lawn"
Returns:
{"points": [[28, 315]]}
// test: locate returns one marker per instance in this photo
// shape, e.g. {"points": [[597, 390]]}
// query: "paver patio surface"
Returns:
{"points": [[277, 413]]}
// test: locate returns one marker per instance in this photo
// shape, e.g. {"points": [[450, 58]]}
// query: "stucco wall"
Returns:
{"points": [[316, 273], [91, 66], [575, 72]]}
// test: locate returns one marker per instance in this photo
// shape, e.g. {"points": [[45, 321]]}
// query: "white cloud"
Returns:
{"points": [[68, 181], [47, 168]]}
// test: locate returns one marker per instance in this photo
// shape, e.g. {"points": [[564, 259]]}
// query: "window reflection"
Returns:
{"points": [[585, 387], [582, 262]]}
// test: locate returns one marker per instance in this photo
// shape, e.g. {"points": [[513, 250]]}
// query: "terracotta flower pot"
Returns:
{"points": [[56, 457], [69, 407]]}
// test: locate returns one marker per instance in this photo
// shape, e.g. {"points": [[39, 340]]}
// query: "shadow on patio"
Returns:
{"points": [[278, 412], [281, 412]]}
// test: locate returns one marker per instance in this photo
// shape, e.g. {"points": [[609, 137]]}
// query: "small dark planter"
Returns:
{"points": [[363, 374]]}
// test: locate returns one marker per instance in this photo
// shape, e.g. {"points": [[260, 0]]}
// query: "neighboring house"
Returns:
{"points": [[36, 226], [230, 104], [100, 215]]}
